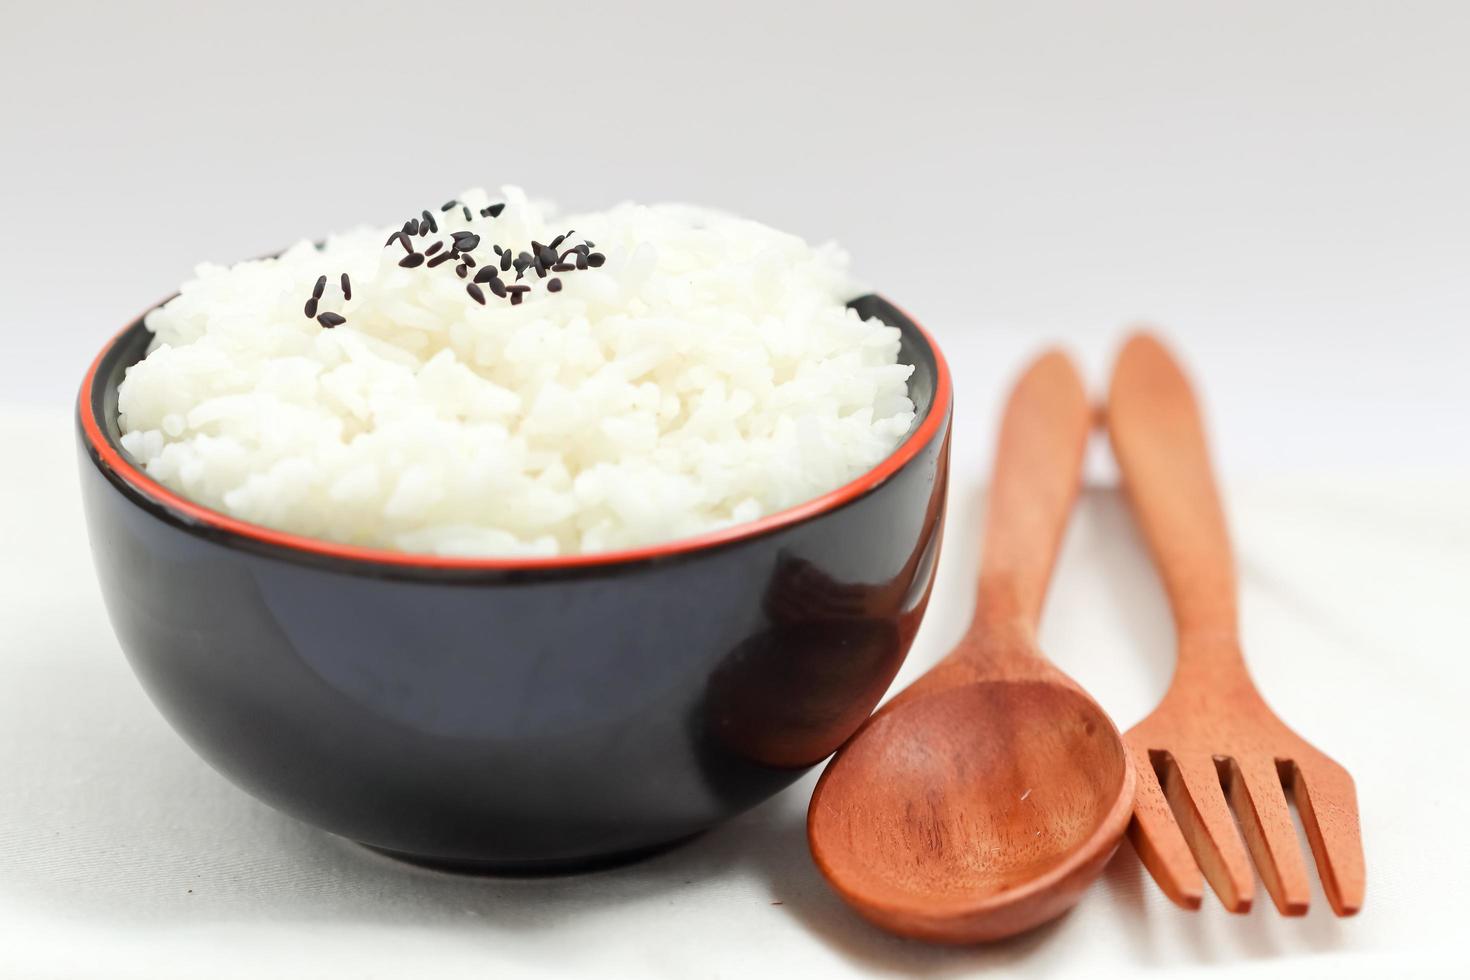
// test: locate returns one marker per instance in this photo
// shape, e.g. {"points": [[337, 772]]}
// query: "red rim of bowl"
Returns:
{"points": [[110, 457]]}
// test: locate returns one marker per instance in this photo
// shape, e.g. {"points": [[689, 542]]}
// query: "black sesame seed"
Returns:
{"points": [[466, 241], [498, 288], [581, 260], [525, 259], [406, 242], [448, 205], [596, 259], [429, 221], [411, 226], [321, 285], [486, 274], [493, 210], [589, 243], [554, 286], [506, 259], [391, 238], [515, 299], [519, 289], [346, 287], [440, 259], [433, 248], [310, 308], [476, 293], [330, 320], [412, 261], [556, 242], [467, 259], [563, 267], [461, 269], [467, 215]]}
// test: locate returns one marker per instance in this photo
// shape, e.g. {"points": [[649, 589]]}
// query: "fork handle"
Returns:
{"points": [[1159, 441]]}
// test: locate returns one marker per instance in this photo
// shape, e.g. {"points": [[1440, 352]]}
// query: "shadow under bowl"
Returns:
{"points": [[519, 714]]}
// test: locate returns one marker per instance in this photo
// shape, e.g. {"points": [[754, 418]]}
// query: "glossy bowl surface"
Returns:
{"points": [[519, 715]]}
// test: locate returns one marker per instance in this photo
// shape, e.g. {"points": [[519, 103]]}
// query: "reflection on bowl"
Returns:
{"points": [[519, 714]]}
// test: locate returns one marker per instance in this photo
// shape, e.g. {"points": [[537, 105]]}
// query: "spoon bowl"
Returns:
{"points": [[1034, 777]]}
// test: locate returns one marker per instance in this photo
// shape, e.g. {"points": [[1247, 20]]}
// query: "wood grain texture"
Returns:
{"points": [[982, 800], [1214, 761]]}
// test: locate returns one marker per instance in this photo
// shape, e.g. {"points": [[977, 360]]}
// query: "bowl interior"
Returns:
{"points": [[928, 389]]}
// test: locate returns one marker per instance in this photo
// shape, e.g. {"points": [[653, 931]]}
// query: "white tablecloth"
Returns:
{"points": [[123, 855]]}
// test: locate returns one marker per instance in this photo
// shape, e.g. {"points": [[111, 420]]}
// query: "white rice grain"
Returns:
{"points": [[708, 374]]}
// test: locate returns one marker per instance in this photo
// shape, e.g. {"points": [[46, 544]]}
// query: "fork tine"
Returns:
{"points": [[1157, 838], [1254, 787], [1328, 804], [1192, 786]]}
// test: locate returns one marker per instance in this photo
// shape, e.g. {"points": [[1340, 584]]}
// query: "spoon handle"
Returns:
{"points": [[1159, 441], [1038, 467]]}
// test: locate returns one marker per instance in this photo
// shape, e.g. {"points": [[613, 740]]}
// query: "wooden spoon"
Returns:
{"points": [[982, 800]]}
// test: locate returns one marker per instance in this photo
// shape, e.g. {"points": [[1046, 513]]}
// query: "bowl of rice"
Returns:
{"points": [[509, 540]]}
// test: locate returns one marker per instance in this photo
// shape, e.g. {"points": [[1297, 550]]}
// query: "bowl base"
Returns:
{"points": [[530, 869]]}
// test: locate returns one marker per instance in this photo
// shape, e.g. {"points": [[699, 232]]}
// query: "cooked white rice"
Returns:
{"points": [[708, 373]]}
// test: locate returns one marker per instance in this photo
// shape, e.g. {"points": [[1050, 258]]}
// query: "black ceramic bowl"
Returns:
{"points": [[519, 714]]}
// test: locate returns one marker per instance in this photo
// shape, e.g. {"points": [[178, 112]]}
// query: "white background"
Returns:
{"points": [[1284, 188]]}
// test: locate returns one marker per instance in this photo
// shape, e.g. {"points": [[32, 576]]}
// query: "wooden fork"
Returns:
{"points": [[1213, 738]]}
